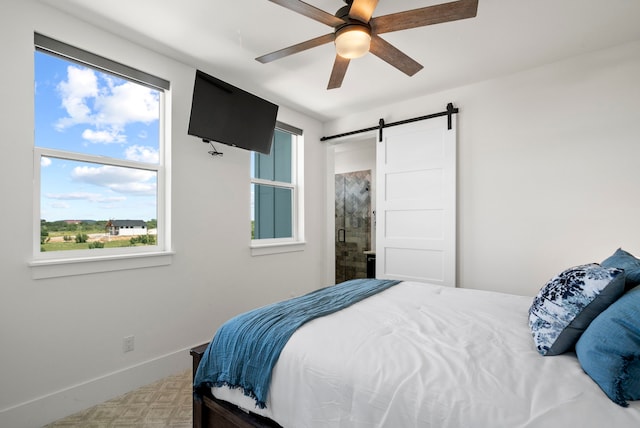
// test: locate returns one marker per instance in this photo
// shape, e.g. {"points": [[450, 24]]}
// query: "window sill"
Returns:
{"points": [[276, 248], [54, 268]]}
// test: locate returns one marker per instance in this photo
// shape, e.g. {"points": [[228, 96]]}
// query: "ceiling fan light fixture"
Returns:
{"points": [[353, 41]]}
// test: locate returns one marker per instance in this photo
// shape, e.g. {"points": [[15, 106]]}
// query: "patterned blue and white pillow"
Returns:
{"points": [[568, 303]]}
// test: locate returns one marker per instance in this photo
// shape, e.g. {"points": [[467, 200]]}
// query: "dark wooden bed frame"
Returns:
{"points": [[209, 412]]}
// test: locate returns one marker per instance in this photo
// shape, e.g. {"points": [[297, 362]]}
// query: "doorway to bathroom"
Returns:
{"points": [[352, 224]]}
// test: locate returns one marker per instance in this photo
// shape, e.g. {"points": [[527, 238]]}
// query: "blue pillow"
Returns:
{"points": [[624, 260], [566, 305], [609, 350]]}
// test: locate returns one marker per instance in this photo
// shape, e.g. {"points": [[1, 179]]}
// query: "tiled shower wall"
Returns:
{"points": [[353, 224]]}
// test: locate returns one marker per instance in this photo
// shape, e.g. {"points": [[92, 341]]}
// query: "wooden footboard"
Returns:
{"points": [[210, 412]]}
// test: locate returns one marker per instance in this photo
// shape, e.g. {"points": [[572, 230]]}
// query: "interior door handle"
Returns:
{"points": [[341, 235]]}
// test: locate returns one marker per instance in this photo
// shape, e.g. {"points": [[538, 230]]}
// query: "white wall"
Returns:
{"points": [[547, 169], [61, 338], [355, 156]]}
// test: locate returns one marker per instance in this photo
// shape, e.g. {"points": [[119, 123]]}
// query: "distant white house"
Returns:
{"points": [[126, 227]]}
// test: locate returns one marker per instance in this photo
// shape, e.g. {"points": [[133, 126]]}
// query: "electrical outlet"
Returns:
{"points": [[128, 344]]}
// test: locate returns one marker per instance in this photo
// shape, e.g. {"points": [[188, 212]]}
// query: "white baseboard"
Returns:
{"points": [[51, 407]]}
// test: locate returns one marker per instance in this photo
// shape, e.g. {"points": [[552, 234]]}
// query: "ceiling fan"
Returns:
{"points": [[355, 32]]}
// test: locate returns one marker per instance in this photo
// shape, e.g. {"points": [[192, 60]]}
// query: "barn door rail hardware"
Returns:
{"points": [[449, 112]]}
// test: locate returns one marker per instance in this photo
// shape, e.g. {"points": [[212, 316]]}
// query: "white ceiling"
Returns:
{"points": [[223, 37]]}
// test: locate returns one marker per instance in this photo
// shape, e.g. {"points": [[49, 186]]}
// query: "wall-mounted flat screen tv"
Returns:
{"points": [[222, 113]]}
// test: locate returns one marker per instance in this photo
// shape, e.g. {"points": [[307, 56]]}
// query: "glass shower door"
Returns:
{"points": [[352, 223]]}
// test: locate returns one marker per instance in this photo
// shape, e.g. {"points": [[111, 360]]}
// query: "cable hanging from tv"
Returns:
{"points": [[213, 152]]}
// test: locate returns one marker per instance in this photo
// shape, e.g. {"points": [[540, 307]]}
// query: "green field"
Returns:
{"points": [[72, 245], [62, 236]]}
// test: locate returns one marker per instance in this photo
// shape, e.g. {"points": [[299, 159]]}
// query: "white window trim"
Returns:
{"points": [[294, 205], [39, 153], [261, 247], [54, 268], [69, 263]]}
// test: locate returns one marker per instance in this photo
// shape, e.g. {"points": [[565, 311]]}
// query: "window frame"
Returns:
{"points": [[75, 262], [296, 241]]}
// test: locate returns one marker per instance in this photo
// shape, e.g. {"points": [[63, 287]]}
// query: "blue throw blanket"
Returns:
{"points": [[245, 349]]}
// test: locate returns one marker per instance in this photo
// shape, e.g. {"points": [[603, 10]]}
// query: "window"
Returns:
{"points": [[99, 156], [275, 190]]}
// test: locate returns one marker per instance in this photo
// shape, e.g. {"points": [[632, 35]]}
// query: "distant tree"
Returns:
{"points": [[44, 233]]}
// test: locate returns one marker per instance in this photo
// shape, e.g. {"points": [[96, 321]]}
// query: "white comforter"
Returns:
{"points": [[420, 355]]}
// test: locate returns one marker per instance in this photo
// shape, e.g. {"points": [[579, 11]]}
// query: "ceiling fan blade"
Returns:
{"points": [[310, 12], [362, 9], [337, 73], [429, 15], [318, 41], [387, 52]]}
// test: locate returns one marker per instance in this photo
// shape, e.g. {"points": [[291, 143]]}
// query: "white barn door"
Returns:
{"points": [[416, 202]]}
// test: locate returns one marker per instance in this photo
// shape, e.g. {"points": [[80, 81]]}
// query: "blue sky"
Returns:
{"points": [[82, 110]]}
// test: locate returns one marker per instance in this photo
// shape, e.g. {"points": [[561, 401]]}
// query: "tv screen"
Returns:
{"points": [[222, 113]]}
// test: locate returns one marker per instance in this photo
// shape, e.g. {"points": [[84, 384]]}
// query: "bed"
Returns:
{"points": [[420, 355]]}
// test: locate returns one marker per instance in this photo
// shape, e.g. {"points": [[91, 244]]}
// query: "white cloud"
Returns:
{"points": [[106, 137], [60, 205], [117, 179], [83, 196], [112, 199], [45, 161], [73, 196], [126, 103], [105, 103], [138, 188], [142, 154], [81, 84]]}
